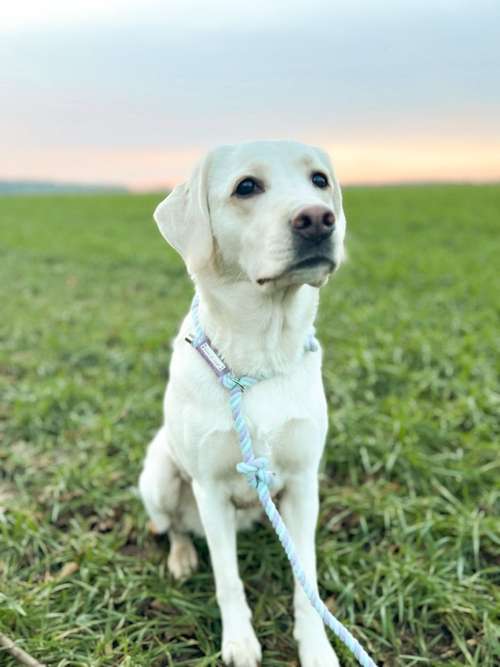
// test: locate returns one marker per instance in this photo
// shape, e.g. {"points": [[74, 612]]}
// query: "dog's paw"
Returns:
{"points": [[182, 559], [317, 654], [157, 529], [241, 651]]}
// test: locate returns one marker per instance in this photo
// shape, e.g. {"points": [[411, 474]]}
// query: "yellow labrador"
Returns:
{"points": [[260, 227]]}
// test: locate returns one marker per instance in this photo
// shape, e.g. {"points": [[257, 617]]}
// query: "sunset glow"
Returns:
{"points": [[127, 93], [355, 163]]}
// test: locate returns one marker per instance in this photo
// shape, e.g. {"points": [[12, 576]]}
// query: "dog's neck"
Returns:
{"points": [[257, 333]]}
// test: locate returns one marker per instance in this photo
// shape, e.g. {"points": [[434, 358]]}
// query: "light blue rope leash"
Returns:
{"points": [[260, 478]]}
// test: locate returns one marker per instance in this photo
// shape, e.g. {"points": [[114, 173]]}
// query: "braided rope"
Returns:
{"points": [[260, 478]]}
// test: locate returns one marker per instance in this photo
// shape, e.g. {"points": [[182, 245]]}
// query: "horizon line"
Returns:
{"points": [[82, 187]]}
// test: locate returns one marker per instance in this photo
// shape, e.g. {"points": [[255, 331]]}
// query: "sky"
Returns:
{"points": [[134, 92]]}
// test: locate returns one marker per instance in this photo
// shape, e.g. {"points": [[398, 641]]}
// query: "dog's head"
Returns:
{"points": [[268, 212]]}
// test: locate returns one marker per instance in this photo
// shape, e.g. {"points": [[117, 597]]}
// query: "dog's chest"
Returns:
{"points": [[290, 448], [286, 417]]}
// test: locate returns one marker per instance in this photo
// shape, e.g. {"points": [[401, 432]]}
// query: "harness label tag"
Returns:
{"points": [[212, 358]]}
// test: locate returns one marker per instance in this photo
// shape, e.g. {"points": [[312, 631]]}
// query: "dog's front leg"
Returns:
{"points": [[240, 646], [299, 507]]}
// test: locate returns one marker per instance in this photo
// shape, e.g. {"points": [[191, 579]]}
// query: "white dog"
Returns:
{"points": [[260, 227]]}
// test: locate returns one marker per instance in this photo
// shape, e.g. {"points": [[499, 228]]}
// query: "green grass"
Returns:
{"points": [[409, 533]]}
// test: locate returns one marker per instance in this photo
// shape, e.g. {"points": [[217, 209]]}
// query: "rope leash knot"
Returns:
{"points": [[256, 472], [260, 477]]}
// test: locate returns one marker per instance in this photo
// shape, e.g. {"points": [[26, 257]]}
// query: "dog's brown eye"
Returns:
{"points": [[247, 187], [319, 180]]}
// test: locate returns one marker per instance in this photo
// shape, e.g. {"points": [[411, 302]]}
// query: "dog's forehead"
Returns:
{"points": [[263, 158]]}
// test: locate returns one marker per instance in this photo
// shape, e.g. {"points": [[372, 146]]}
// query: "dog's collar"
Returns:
{"points": [[213, 358]]}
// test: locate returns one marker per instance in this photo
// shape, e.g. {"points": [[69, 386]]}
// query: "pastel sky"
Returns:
{"points": [[135, 91]]}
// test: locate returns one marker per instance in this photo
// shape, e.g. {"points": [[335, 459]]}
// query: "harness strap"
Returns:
{"points": [[261, 478]]}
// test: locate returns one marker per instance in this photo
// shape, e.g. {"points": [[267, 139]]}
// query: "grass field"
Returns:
{"points": [[409, 533]]}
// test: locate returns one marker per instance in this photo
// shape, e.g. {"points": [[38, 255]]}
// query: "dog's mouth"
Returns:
{"points": [[302, 269], [311, 263]]}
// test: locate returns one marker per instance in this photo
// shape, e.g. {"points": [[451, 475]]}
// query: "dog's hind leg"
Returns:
{"points": [[160, 486], [162, 492]]}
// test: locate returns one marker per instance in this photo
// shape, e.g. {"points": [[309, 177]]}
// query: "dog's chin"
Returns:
{"points": [[312, 271]]}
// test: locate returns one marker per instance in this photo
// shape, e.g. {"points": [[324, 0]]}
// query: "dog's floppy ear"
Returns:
{"points": [[184, 221]]}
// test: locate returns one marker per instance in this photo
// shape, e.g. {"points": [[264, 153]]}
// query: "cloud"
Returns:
{"points": [[133, 77]]}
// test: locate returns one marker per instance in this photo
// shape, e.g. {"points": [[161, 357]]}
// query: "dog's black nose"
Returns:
{"points": [[314, 223]]}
